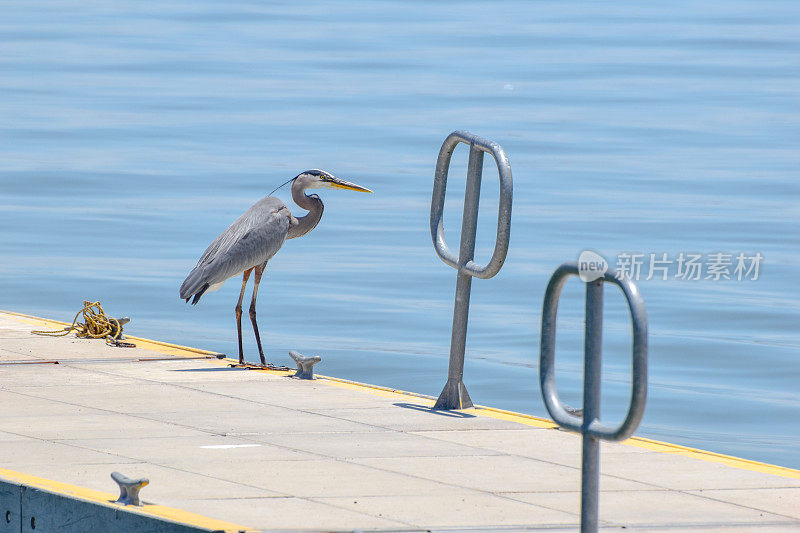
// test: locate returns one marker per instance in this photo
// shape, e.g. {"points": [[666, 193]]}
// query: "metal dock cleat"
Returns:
{"points": [[305, 364], [121, 321], [129, 488]]}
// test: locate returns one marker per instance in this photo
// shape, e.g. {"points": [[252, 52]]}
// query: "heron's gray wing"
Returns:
{"points": [[251, 240], [257, 214]]}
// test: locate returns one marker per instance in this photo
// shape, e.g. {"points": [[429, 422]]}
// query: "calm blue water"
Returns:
{"points": [[133, 133]]}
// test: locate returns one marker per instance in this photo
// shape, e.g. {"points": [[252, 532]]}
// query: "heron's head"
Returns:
{"points": [[319, 179]]}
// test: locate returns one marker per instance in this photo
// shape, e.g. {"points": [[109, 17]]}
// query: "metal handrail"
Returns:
{"points": [[478, 146], [589, 424], [454, 395]]}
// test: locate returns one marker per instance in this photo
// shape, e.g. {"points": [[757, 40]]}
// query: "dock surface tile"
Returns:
{"points": [[275, 453]]}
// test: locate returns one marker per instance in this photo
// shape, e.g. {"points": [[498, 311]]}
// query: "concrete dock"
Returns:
{"points": [[233, 449]]}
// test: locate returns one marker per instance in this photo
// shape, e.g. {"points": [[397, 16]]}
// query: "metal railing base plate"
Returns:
{"points": [[454, 396]]}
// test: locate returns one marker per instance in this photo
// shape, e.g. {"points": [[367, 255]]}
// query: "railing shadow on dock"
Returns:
{"points": [[431, 410]]}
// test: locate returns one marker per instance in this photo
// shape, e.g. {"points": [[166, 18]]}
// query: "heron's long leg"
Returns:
{"points": [[245, 277], [259, 270]]}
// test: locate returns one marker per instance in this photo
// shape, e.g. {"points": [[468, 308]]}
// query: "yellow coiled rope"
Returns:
{"points": [[95, 325]]}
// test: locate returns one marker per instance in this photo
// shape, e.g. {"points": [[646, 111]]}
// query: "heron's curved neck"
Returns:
{"points": [[312, 204]]}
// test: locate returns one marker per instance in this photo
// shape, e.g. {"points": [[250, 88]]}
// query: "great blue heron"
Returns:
{"points": [[254, 238]]}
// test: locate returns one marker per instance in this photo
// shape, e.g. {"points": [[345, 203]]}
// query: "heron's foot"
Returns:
{"points": [[244, 365], [272, 366]]}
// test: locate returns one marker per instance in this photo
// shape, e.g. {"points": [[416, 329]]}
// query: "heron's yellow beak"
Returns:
{"points": [[336, 183]]}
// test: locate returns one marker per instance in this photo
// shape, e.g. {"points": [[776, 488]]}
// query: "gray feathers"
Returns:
{"points": [[251, 240]]}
